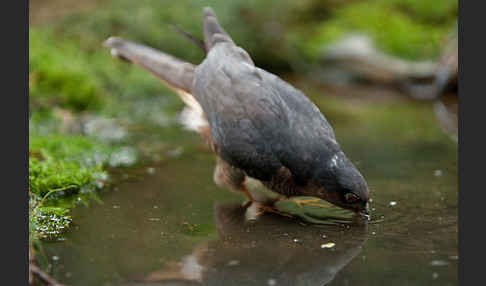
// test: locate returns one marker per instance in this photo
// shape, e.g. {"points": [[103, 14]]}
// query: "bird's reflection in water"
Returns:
{"points": [[270, 251]]}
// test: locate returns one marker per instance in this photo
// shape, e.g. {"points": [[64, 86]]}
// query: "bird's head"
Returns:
{"points": [[340, 183]]}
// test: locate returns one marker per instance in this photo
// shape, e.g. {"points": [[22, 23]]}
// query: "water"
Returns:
{"points": [[170, 225]]}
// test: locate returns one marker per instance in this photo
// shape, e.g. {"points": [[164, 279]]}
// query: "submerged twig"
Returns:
{"points": [[34, 269]]}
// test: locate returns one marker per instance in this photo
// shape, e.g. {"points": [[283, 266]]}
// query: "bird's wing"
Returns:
{"points": [[258, 122], [232, 110]]}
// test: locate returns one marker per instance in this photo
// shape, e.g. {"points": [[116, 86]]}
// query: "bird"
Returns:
{"points": [[260, 127]]}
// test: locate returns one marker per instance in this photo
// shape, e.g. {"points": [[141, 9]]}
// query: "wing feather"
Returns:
{"points": [[258, 121]]}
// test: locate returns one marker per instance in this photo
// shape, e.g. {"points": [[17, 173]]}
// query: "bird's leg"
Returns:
{"points": [[310, 202], [247, 194], [271, 209], [249, 197]]}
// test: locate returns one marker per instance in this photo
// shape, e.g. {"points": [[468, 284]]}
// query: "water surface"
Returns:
{"points": [[171, 225]]}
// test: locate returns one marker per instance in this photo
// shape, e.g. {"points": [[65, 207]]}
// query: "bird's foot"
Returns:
{"points": [[256, 209], [309, 202]]}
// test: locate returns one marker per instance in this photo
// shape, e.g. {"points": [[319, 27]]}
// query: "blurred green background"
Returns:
{"points": [[70, 69]]}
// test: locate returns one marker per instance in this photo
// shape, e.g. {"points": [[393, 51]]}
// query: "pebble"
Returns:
{"points": [[328, 245]]}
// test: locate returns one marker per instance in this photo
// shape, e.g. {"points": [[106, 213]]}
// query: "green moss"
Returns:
{"points": [[63, 170], [64, 74], [60, 162], [57, 175], [49, 222], [70, 148], [59, 74]]}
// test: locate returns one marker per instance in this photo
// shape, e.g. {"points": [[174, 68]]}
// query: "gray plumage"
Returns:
{"points": [[257, 124]]}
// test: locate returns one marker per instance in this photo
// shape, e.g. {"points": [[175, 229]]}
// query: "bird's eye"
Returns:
{"points": [[351, 198]]}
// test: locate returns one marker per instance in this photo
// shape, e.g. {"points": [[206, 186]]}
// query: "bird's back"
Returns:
{"points": [[259, 122]]}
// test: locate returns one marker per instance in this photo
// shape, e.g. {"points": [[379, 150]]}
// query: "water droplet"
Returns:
{"points": [[438, 263]]}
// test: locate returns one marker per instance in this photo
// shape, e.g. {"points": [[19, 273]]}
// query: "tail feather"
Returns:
{"points": [[212, 30], [176, 74]]}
